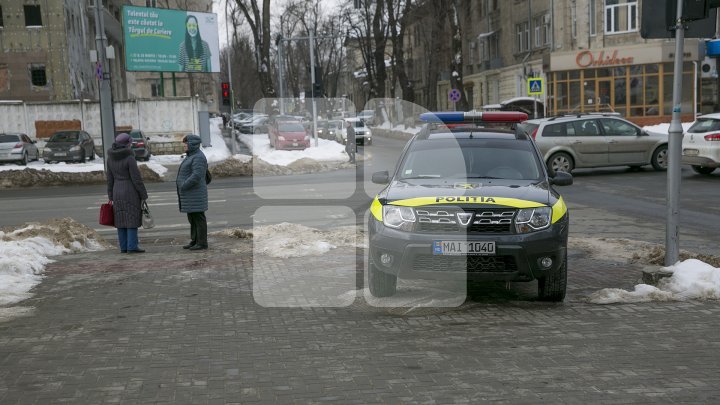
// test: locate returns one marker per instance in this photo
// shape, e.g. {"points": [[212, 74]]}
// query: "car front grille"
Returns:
{"points": [[484, 220], [471, 264]]}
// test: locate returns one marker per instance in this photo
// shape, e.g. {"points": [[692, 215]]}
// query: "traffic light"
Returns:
{"points": [[225, 88], [317, 90]]}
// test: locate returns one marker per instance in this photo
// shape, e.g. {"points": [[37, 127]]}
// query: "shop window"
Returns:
{"points": [[621, 16], [38, 76], [33, 17]]}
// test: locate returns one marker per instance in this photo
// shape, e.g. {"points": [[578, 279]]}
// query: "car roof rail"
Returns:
{"points": [[585, 114]]}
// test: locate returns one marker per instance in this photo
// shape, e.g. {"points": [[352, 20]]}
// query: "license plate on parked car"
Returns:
{"points": [[60, 154], [295, 144], [458, 248], [690, 152]]}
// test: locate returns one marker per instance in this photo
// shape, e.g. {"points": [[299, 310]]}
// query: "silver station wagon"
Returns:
{"points": [[596, 140]]}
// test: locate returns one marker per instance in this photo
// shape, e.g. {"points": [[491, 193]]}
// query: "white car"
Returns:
{"points": [[363, 135], [701, 144]]}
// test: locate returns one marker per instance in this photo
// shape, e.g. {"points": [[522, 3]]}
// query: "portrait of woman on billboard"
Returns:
{"points": [[194, 52]]}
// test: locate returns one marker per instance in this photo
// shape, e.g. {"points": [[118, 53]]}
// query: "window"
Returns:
{"points": [[573, 22], [1, 18], [618, 128], [593, 18], [522, 32], [542, 31], [33, 17], [155, 89], [494, 46], [620, 16], [38, 76]]}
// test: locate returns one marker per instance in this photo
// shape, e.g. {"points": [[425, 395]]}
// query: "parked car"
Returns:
{"points": [[140, 144], [288, 135], [363, 135], [75, 146], [701, 144], [17, 148], [257, 125], [368, 116], [596, 140]]}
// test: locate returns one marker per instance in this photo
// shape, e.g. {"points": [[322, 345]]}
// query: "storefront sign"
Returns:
{"points": [[586, 59]]}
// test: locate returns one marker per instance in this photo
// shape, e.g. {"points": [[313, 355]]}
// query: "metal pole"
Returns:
{"points": [[675, 134], [280, 75], [229, 69], [107, 114], [312, 77]]}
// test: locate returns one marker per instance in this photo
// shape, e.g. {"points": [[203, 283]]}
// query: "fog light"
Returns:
{"points": [[546, 262], [386, 259]]}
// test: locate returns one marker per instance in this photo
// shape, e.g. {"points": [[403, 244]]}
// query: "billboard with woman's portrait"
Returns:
{"points": [[164, 40]]}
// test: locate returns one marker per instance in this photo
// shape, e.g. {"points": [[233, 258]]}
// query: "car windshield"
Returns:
{"points": [[136, 135], [291, 127], [8, 138], [64, 137], [482, 159], [704, 125]]}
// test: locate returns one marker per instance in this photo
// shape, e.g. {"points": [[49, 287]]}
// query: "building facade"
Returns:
{"points": [[45, 50], [589, 54]]}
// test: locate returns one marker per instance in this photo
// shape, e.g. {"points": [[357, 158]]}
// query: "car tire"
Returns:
{"points": [[24, 160], [703, 169], [92, 155], [660, 158], [82, 157], [561, 162], [553, 286], [381, 284]]}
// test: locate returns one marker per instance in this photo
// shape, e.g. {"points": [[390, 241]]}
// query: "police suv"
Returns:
{"points": [[470, 197]]}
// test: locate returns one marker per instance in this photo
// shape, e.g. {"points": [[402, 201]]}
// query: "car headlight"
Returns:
{"points": [[398, 217], [281, 138], [532, 219], [74, 148], [307, 138]]}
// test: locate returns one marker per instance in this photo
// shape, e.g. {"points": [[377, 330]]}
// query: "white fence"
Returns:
{"points": [[177, 116]]}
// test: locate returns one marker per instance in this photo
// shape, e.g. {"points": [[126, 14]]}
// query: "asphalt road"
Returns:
{"points": [[637, 194]]}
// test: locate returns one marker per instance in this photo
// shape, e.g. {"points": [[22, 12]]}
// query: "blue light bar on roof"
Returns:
{"points": [[473, 116]]}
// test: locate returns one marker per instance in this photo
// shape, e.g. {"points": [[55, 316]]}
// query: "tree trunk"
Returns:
{"points": [[456, 65]]}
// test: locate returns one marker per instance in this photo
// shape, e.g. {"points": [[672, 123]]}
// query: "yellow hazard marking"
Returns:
{"points": [[376, 209], [558, 210], [507, 202]]}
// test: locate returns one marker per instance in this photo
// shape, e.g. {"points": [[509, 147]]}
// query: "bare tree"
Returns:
{"points": [[398, 17], [259, 22]]}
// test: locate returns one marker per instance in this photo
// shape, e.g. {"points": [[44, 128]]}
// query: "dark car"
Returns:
{"points": [[470, 203], [72, 146], [17, 148], [140, 144]]}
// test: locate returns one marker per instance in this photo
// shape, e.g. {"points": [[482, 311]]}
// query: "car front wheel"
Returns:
{"points": [[703, 169], [24, 159], [381, 284], [561, 162], [553, 286]]}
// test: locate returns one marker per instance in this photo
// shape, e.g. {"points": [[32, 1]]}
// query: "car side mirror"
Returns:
{"points": [[561, 179], [381, 177], [643, 133], [34, 141]]}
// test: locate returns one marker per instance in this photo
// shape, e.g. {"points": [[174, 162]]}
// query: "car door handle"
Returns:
{"points": [[577, 142], [612, 141]]}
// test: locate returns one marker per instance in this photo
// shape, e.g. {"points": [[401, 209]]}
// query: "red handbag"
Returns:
{"points": [[107, 217]]}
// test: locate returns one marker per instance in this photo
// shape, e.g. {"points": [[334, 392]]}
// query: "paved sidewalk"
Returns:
{"points": [[172, 326]]}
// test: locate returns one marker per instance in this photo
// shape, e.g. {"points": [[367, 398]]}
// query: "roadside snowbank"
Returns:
{"points": [[326, 151]]}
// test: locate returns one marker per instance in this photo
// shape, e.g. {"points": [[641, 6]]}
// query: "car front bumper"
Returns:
{"points": [[517, 256], [62, 156], [292, 144]]}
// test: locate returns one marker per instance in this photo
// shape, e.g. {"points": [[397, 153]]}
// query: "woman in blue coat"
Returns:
{"points": [[192, 192], [127, 191]]}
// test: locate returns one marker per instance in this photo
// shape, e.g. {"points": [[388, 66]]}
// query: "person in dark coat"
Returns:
{"points": [[192, 192], [127, 191], [350, 146]]}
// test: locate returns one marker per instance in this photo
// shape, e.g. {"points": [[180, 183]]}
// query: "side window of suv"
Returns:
{"points": [[554, 130], [618, 128]]}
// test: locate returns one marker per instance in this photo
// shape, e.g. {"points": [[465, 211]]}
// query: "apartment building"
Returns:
{"points": [[589, 53], [45, 50]]}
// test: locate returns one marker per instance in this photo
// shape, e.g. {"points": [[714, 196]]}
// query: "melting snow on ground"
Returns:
{"points": [[691, 279], [294, 240], [326, 151], [25, 251]]}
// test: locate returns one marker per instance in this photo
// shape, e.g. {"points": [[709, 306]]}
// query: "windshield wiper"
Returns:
{"points": [[423, 176], [483, 177]]}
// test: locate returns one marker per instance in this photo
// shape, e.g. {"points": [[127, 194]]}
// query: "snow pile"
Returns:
{"points": [[691, 279], [327, 151], [25, 251], [664, 128], [294, 240], [219, 150]]}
